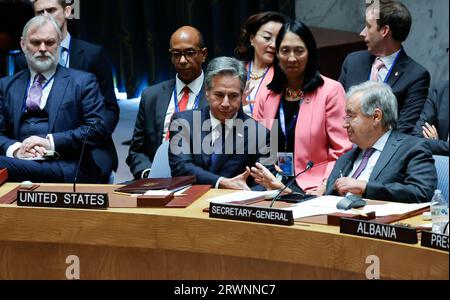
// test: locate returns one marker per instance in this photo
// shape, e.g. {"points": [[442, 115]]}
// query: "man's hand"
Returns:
{"points": [[237, 183], [430, 132], [35, 146], [265, 178], [346, 185]]}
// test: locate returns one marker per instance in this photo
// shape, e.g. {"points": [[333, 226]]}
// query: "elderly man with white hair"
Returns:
{"points": [[386, 164], [48, 113]]}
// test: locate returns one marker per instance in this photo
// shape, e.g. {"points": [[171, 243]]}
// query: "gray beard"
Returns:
{"points": [[42, 66]]}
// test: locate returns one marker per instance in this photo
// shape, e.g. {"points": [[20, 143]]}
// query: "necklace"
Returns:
{"points": [[293, 94], [259, 75]]}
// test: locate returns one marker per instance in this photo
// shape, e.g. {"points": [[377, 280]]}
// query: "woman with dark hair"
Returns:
{"points": [[308, 110], [257, 49]]}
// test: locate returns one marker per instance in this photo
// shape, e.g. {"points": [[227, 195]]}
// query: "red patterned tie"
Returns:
{"points": [[182, 105], [377, 65]]}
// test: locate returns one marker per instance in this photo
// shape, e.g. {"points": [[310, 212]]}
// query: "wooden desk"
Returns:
{"points": [[333, 46], [186, 244]]}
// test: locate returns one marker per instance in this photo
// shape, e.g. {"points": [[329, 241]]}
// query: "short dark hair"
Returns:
{"points": [[63, 3], [244, 50], [312, 78], [395, 15]]}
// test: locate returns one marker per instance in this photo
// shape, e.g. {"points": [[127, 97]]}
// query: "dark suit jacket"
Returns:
{"points": [[93, 59], [408, 80], [74, 102], [189, 135], [149, 126], [405, 171], [435, 112]]}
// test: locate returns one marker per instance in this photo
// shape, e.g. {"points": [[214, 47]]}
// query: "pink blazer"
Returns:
{"points": [[263, 91], [319, 135]]}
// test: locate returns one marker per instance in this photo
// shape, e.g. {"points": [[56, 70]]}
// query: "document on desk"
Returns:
{"points": [[243, 197], [315, 207], [394, 208]]}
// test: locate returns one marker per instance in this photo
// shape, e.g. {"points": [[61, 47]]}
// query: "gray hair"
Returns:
{"points": [[40, 21], [377, 95], [225, 66]]}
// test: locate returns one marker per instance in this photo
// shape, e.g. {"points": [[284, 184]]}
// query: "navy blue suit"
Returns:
{"points": [[73, 104], [246, 148], [148, 131], [409, 82], [93, 59], [435, 112], [404, 172]]}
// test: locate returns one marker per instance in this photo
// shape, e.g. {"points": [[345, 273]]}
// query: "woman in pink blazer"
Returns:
{"points": [[305, 108], [257, 49]]}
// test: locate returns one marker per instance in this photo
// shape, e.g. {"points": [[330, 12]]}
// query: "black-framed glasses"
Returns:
{"points": [[188, 54]]}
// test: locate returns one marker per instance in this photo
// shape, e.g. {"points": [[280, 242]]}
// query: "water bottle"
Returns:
{"points": [[439, 212]]}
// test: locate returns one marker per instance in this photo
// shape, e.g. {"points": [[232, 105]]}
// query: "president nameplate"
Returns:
{"points": [[62, 200], [379, 231], [435, 241], [251, 214]]}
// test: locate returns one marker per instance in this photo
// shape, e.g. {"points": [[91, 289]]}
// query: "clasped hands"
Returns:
{"points": [[33, 147]]}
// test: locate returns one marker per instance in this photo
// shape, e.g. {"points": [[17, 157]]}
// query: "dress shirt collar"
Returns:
{"points": [[381, 143], [389, 60], [195, 86], [47, 75], [65, 43], [215, 122]]}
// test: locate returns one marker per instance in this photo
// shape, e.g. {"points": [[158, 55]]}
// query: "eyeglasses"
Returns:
{"points": [[188, 54]]}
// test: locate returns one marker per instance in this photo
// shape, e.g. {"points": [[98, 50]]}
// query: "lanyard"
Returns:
{"points": [[29, 87], [250, 67], [175, 100], [391, 69], [283, 121]]}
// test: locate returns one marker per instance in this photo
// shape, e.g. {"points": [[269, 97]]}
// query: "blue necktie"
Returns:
{"points": [[64, 57], [218, 149]]}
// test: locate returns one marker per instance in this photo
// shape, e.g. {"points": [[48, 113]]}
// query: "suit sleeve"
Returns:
{"points": [[338, 142], [5, 141], [419, 181], [92, 111], [429, 114], [180, 153], [415, 98], [137, 160], [103, 72], [343, 75]]}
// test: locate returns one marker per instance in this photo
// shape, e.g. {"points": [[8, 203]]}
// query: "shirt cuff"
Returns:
{"points": [[52, 142], [218, 183], [12, 149]]}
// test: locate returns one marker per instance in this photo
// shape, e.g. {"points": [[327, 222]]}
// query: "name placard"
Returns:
{"points": [[63, 200], [435, 240], [251, 214], [379, 231]]}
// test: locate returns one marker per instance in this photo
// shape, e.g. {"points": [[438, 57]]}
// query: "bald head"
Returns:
{"points": [[187, 33], [187, 53]]}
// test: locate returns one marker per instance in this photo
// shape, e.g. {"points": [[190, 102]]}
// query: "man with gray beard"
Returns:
{"points": [[47, 114]]}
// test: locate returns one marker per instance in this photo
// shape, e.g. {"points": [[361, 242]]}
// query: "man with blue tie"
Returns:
{"points": [[81, 55], [386, 164], [219, 143], [48, 113], [388, 24]]}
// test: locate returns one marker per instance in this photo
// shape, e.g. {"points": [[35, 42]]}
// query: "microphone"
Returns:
{"points": [[91, 125], [309, 165]]}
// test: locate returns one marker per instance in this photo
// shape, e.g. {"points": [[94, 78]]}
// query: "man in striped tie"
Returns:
{"points": [[386, 164]]}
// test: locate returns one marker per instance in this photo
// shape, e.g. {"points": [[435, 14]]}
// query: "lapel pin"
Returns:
{"points": [[396, 74]]}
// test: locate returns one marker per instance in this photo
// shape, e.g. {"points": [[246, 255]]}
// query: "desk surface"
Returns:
{"points": [[145, 243]]}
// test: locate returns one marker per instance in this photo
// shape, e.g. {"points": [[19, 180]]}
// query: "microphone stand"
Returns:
{"points": [[278, 196], [81, 154]]}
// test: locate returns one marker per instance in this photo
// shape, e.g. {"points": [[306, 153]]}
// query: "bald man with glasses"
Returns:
{"points": [[159, 102]]}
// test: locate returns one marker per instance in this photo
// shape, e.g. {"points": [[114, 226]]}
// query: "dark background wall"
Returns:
{"points": [[136, 33]]}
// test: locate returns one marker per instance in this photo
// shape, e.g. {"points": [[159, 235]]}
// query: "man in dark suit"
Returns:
{"points": [[84, 56], [48, 109], [219, 143], [386, 164], [160, 101], [433, 123], [386, 61]]}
